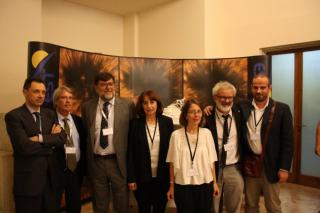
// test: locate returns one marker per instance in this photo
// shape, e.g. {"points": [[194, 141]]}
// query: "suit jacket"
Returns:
{"points": [[61, 156], [139, 160], [123, 113], [279, 147], [211, 125], [33, 162]]}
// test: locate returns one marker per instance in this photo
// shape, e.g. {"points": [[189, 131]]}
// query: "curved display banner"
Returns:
{"points": [[173, 79]]}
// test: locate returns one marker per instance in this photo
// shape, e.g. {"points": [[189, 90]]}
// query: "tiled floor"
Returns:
{"points": [[294, 198]]}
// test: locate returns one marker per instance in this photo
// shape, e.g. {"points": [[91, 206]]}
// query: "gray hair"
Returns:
{"points": [[223, 85], [57, 93]]}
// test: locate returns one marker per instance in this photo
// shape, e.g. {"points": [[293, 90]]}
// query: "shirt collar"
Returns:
{"points": [[220, 113], [61, 117], [31, 110], [256, 107], [111, 102]]}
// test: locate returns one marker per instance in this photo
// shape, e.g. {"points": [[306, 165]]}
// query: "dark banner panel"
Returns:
{"points": [[256, 65], [43, 62], [201, 75]]}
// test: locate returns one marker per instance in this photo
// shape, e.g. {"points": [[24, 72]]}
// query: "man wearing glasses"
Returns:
{"points": [[224, 124]]}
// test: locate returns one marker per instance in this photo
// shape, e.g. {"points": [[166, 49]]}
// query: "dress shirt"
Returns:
{"points": [[179, 155], [154, 147], [254, 132], [232, 152], [31, 110], [110, 148], [73, 133]]}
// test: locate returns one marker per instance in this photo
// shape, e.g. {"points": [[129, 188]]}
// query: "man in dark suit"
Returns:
{"points": [[34, 136], [224, 124], [106, 120], [279, 146], [72, 157]]}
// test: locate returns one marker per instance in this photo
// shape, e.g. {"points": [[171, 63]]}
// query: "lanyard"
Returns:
{"points": [[195, 149], [255, 121], [154, 133]]}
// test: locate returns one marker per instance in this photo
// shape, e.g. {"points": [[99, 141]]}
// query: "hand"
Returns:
{"points": [[56, 128], [132, 186], [207, 110], [215, 189], [170, 193], [34, 138], [283, 176]]}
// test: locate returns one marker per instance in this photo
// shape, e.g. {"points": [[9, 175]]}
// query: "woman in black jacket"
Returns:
{"points": [[148, 172]]}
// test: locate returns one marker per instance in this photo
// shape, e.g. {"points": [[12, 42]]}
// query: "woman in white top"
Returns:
{"points": [[192, 155]]}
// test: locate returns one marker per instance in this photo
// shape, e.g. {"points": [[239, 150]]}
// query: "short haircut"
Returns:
{"points": [[58, 91], [223, 85], [262, 75], [28, 82], [185, 109], [103, 76], [153, 96]]}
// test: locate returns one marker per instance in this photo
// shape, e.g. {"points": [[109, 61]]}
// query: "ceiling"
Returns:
{"points": [[121, 7]]}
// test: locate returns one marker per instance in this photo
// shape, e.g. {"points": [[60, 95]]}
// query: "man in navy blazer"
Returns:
{"points": [[34, 136], [70, 179], [279, 146]]}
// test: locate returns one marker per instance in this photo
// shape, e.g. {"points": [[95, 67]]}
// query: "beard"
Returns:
{"points": [[224, 108]]}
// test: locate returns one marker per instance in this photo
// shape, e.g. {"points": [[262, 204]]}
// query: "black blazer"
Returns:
{"points": [[139, 162], [279, 148], [211, 125], [33, 162], [61, 156]]}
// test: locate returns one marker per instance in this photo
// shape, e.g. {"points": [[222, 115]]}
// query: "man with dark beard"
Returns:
{"points": [[224, 124], [273, 143]]}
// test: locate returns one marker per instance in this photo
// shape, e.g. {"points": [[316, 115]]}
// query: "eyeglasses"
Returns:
{"points": [[195, 112], [66, 98], [230, 98]]}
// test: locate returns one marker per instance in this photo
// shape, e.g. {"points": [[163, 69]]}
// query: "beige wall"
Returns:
{"points": [[20, 21], [52, 21], [242, 27], [79, 27], [173, 30]]}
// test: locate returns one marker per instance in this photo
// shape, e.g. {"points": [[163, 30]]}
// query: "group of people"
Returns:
{"points": [[121, 146]]}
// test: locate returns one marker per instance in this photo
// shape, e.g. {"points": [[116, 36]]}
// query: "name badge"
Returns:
{"points": [[228, 147], [107, 131], [255, 136], [192, 172], [70, 150]]}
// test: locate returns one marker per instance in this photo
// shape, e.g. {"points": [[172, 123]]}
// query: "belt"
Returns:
{"points": [[110, 156], [233, 164]]}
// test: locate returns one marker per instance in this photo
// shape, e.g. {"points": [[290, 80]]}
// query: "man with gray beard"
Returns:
{"points": [[224, 124]]}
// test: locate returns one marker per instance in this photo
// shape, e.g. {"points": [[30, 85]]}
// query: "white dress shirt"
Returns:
{"points": [[73, 133], [154, 147], [99, 113], [232, 143], [254, 128]]}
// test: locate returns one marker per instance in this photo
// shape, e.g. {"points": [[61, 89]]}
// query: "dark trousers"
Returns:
{"points": [[194, 198], [72, 189], [152, 195], [45, 202]]}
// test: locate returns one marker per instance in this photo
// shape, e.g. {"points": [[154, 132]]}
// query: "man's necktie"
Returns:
{"points": [[224, 140], [37, 114], [71, 157], [104, 124]]}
